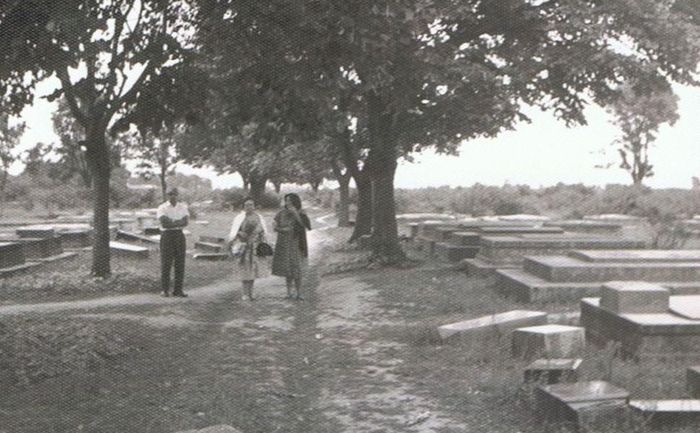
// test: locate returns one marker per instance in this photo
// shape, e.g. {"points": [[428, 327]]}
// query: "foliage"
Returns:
{"points": [[639, 112], [9, 139], [232, 199]]}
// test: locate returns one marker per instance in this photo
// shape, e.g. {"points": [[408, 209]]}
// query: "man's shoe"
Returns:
{"points": [[180, 295]]}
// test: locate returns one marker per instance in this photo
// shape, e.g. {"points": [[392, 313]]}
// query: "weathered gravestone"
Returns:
{"points": [[493, 326], [668, 413], [590, 406], [127, 250], [548, 341], [551, 371]]}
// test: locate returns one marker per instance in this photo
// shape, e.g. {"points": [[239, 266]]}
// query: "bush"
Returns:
{"points": [[232, 198]]}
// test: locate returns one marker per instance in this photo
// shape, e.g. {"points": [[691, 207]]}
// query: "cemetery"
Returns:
{"points": [[484, 216]]}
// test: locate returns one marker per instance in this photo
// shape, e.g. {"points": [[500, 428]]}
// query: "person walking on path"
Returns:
{"points": [[248, 231], [291, 249], [173, 217]]}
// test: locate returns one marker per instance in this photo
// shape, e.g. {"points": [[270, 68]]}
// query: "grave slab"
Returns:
{"points": [[666, 413], [551, 371], [692, 379], [79, 238], [151, 230], [135, 237], [128, 250], [634, 297], [39, 231], [591, 405], [209, 247], [615, 256], [212, 239], [501, 324], [454, 253], [40, 248], [687, 306], [211, 256], [11, 271], [11, 254], [222, 428], [586, 226], [548, 341]]}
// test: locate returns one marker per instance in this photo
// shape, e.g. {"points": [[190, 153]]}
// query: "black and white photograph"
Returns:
{"points": [[345, 216]]}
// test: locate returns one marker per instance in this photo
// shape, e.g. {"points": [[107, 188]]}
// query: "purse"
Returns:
{"points": [[237, 249], [264, 250]]}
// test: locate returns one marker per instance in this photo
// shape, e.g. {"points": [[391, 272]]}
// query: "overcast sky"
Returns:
{"points": [[541, 153]]}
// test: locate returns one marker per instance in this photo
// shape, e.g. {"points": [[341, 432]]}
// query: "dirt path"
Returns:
{"points": [[267, 366]]}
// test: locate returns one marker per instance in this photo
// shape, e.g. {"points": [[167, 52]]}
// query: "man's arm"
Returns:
{"points": [[167, 223]]}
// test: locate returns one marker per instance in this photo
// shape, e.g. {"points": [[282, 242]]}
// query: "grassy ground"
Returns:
{"points": [[359, 355]]}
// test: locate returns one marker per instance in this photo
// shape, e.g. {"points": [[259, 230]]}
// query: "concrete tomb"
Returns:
{"points": [[128, 250], [37, 231], [12, 260], [548, 341], [582, 273], [643, 335], [692, 380], [493, 326], [209, 247], [212, 239], [211, 256], [587, 226], [135, 237], [666, 413], [553, 370], [634, 297], [594, 405]]}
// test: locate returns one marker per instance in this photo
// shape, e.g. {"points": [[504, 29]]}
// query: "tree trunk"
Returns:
{"points": [[314, 186], [257, 187], [99, 162], [163, 183], [277, 185], [363, 219], [3, 184], [344, 204]]}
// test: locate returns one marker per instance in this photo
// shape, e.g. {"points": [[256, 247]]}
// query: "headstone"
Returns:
{"points": [[39, 231], [211, 256], [501, 324], [687, 306], [634, 297], [127, 250], [548, 341], [79, 238], [212, 239], [209, 247], [667, 413], [692, 380], [551, 371], [595, 405]]}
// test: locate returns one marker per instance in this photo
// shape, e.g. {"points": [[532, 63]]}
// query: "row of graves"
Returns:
{"points": [[25, 245], [644, 301]]}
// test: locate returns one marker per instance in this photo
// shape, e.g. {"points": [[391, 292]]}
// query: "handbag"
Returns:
{"points": [[237, 249], [264, 250]]}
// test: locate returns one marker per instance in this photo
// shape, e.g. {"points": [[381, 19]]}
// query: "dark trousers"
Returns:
{"points": [[172, 251]]}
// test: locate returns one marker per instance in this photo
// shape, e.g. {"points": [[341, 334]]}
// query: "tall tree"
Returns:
{"points": [[71, 143], [158, 153], [117, 61], [9, 139], [639, 113]]}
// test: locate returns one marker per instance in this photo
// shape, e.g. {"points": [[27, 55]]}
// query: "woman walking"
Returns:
{"points": [[247, 232], [291, 250]]}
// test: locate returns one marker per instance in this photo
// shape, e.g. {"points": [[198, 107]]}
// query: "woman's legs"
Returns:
{"points": [[297, 286], [290, 281]]}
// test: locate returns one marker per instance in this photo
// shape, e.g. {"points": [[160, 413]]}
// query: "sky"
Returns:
{"points": [[541, 153]]}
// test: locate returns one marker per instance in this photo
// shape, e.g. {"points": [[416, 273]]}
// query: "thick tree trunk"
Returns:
{"points": [[3, 184], [363, 219], [257, 187], [163, 183], [99, 163], [344, 203]]}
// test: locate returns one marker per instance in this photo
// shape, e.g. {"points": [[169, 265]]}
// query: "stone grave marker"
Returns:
{"points": [[692, 380], [11, 254], [127, 250], [209, 247], [588, 405], [548, 341], [634, 297], [667, 413], [496, 325], [129, 236], [38, 231], [687, 306], [554, 370]]}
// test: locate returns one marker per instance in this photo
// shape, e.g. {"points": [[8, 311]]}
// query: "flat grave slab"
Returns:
{"points": [[76, 238], [209, 247], [211, 256], [642, 335], [222, 428], [520, 230], [455, 253], [613, 217], [594, 405], [212, 239], [554, 370], [634, 297], [687, 306], [692, 379], [38, 231], [615, 256], [128, 250], [151, 230], [62, 256], [586, 226], [664, 413], [495, 325], [11, 254], [40, 248], [130, 236], [11, 271], [524, 217], [548, 341]]}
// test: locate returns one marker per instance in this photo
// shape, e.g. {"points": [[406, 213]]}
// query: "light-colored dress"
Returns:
{"points": [[291, 250], [249, 232]]}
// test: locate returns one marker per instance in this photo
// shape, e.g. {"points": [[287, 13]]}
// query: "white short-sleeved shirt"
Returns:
{"points": [[176, 212]]}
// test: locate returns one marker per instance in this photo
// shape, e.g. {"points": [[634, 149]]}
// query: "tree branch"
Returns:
{"points": [[69, 93]]}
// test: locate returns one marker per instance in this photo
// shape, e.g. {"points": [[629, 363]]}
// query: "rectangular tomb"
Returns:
{"points": [[500, 324], [11, 254]]}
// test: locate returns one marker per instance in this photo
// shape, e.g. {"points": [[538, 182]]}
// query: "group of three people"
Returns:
{"points": [[247, 242]]}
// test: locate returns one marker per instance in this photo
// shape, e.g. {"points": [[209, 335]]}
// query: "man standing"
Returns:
{"points": [[173, 216]]}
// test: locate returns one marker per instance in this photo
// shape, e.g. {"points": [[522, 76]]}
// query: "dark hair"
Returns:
{"points": [[295, 199], [248, 198]]}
